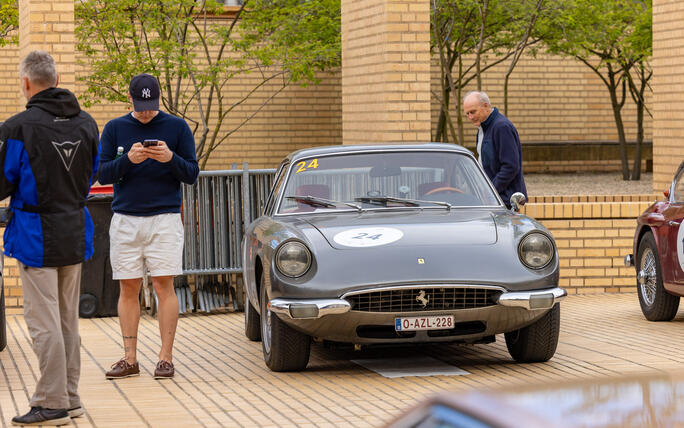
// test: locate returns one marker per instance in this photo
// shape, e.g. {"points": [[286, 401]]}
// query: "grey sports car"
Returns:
{"points": [[396, 244]]}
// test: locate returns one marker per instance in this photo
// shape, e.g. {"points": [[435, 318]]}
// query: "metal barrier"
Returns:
{"points": [[216, 210]]}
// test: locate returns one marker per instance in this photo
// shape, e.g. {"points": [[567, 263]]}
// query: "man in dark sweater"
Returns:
{"points": [[146, 154], [498, 145], [48, 157]]}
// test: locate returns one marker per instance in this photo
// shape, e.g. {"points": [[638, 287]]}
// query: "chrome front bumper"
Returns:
{"points": [[317, 308], [533, 300], [308, 308]]}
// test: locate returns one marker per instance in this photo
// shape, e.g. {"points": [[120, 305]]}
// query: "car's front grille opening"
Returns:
{"points": [[460, 329], [383, 332], [424, 299]]}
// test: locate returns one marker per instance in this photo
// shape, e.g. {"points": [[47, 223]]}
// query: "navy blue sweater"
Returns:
{"points": [[502, 155], [150, 187]]}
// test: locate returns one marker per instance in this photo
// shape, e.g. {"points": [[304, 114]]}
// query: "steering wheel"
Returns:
{"points": [[443, 189]]}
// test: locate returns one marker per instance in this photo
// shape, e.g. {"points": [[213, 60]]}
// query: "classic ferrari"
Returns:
{"points": [[659, 250], [396, 244]]}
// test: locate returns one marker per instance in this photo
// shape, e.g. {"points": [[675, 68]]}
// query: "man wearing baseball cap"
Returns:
{"points": [[156, 153]]}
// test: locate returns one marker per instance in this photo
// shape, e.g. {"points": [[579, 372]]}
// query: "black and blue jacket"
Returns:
{"points": [[502, 156], [49, 155]]}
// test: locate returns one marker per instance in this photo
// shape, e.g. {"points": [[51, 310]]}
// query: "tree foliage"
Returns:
{"points": [[195, 52], [613, 38], [9, 22], [471, 36]]}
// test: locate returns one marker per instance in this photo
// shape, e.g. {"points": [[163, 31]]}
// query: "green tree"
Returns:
{"points": [[9, 22], [610, 37], [195, 53], [471, 36]]}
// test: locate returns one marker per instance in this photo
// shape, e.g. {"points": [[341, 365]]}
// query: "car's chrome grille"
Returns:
{"points": [[423, 299]]}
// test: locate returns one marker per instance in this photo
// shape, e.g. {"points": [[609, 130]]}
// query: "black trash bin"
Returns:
{"points": [[3, 333], [3, 329], [99, 292]]}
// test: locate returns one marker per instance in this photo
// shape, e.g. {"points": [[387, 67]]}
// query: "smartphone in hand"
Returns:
{"points": [[148, 143]]}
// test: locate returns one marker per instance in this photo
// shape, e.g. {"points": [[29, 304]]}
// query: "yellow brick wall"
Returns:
{"points": [[668, 90], [385, 71], [593, 235], [551, 99], [549, 102]]}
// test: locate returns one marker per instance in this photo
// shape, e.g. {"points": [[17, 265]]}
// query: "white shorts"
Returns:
{"points": [[137, 243]]}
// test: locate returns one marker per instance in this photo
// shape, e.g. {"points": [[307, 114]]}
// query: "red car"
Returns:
{"points": [[659, 250]]}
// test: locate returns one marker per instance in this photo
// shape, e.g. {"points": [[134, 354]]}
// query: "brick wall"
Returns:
{"points": [[551, 99], [668, 90], [385, 71], [593, 235]]}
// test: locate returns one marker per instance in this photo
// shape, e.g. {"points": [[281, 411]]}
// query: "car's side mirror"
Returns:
{"points": [[517, 200], [667, 193]]}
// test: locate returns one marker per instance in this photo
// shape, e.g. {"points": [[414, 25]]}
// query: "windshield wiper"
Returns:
{"points": [[405, 201], [322, 202]]}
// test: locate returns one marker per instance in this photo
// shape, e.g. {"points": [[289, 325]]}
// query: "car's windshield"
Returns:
{"points": [[379, 180]]}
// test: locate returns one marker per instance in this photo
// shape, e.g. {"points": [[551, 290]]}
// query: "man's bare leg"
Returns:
{"points": [[167, 314], [129, 316]]}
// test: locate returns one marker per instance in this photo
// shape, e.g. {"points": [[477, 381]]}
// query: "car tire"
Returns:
{"points": [[285, 349], [252, 321], [537, 342], [656, 303]]}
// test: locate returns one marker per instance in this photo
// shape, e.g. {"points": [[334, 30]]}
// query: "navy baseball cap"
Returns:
{"points": [[144, 91]]}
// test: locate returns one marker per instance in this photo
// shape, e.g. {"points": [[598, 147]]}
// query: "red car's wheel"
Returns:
{"points": [[656, 303]]}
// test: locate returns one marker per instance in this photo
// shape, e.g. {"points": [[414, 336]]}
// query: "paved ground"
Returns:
{"points": [[587, 184], [221, 379]]}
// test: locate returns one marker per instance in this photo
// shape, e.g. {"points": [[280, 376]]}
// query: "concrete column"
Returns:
{"points": [[49, 26], [385, 71], [668, 91]]}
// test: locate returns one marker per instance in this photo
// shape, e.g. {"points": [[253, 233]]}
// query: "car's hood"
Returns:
{"points": [[422, 228], [386, 248]]}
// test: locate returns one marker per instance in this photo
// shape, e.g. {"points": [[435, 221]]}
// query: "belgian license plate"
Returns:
{"points": [[434, 322]]}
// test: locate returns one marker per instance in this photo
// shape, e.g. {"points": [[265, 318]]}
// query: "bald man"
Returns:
{"points": [[498, 145]]}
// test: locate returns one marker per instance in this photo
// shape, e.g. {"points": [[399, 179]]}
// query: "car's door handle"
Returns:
{"points": [[672, 223]]}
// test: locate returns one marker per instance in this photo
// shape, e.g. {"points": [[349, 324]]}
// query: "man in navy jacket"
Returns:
{"points": [[49, 155], [498, 145], [146, 231]]}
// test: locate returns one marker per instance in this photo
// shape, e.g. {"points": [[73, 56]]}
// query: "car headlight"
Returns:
{"points": [[293, 259], [535, 250]]}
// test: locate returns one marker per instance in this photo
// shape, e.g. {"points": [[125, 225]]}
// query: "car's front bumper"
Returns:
{"points": [[317, 308], [333, 319]]}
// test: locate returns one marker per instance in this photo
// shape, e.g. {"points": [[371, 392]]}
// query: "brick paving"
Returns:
{"points": [[221, 380]]}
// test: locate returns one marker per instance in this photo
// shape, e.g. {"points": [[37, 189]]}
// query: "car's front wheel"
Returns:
{"points": [[252, 321], [538, 341], [285, 349], [656, 303]]}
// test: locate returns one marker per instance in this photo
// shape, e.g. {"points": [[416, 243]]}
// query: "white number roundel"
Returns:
{"points": [[680, 247], [368, 236]]}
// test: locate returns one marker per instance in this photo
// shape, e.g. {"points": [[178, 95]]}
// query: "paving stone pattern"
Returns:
{"points": [[221, 379]]}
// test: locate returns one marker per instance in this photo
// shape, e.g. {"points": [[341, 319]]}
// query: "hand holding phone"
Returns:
{"points": [[148, 143]]}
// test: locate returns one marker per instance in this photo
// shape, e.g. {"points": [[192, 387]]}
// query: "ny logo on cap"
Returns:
{"points": [[146, 93], [67, 152]]}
